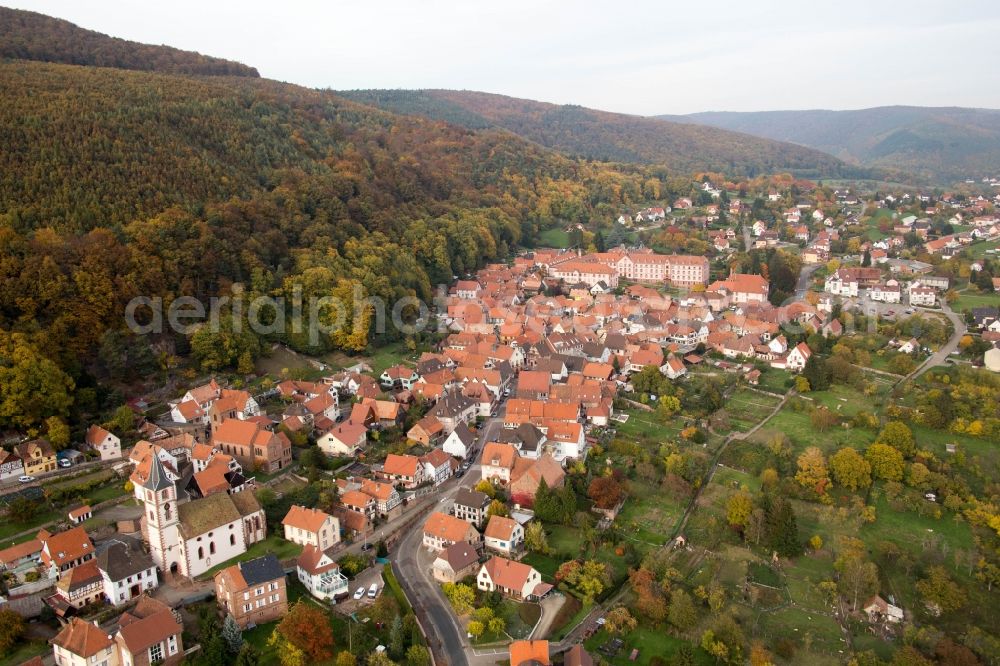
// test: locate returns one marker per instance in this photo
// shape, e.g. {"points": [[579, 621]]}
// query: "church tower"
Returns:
{"points": [[159, 497]]}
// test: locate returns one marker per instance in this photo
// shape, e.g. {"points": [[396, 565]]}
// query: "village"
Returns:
{"points": [[456, 477]]}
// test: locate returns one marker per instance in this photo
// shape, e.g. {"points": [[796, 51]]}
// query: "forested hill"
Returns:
{"points": [[31, 36], [117, 183], [580, 132], [942, 144]]}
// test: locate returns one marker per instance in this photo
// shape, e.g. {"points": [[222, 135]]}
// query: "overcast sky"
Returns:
{"points": [[633, 57]]}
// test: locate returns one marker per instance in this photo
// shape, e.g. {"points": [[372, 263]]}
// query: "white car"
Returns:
{"points": [[360, 592], [25, 479], [372, 591]]}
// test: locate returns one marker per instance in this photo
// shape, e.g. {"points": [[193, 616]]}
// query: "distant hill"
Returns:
{"points": [[943, 144], [580, 132], [30, 36]]}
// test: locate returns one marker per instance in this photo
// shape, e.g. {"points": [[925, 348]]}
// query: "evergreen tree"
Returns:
{"points": [[396, 638], [599, 241], [248, 656], [782, 527], [232, 635], [817, 373]]}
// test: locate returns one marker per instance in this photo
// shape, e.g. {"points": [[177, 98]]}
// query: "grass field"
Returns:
{"points": [[553, 238], [23, 652], [645, 425], [650, 641], [774, 380], [272, 544], [747, 408], [648, 516], [968, 300]]}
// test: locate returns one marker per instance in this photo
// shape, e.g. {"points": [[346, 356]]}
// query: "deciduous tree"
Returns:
{"points": [[850, 469]]}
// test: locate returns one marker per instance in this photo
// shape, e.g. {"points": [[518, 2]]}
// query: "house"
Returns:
{"points": [[320, 574], [108, 446], [29, 552], [577, 656], [743, 288], [37, 455], [359, 502], [344, 439], [910, 346], [531, 653], [253, 592], [497, 462], [887, 293], [797, 357], [442, 530], [398, 377], [438, 466], [150, 633], [427, 431], [512, 579], [306, 526], [460, 442], [11, 465], [455, 562], [64, 550], [80, 514], [126, 571], [76, 588], [673, 368], [528, 474], [471, 506], [405, 470], [385, 495], [504, 536], [232, 404], [923, 296], [533, 384], [454, 408], [82, 643], [253, 445], [878, 609]]}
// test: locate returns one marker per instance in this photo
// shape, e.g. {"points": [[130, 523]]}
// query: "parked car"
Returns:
{"points": [[25, 478], [65, 463], [373, 591], [360, 592], [366, 546]]}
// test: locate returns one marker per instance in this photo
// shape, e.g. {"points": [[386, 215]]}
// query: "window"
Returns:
{"points": [[166, 511], [259, 591], [156, 652], [261, 602], [211, 548], [247, 608], [232, 539], [201, 553]]}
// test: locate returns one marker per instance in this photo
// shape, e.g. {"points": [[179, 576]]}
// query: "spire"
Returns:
{"points": [[158, 479]]}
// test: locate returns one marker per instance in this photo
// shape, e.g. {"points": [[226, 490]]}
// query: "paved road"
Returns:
{"points": [[446, 638], [805, 279], [14, 485], [941, 355]]}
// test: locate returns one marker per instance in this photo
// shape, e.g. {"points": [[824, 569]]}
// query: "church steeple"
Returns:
{"points": [[157, 479]]}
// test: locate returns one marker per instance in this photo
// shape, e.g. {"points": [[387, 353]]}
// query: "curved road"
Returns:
{"points": [[446, 638]]}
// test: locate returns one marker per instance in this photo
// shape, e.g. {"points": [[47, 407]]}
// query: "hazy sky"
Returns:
{"points": [[632, 57]]}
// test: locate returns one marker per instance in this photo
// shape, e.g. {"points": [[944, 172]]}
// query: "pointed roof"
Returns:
{"points": [[82, 638], [157, 479]]}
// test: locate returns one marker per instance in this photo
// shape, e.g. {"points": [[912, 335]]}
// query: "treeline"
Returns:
{"points": [[31, 36], [576, 131], [119, 184]]}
